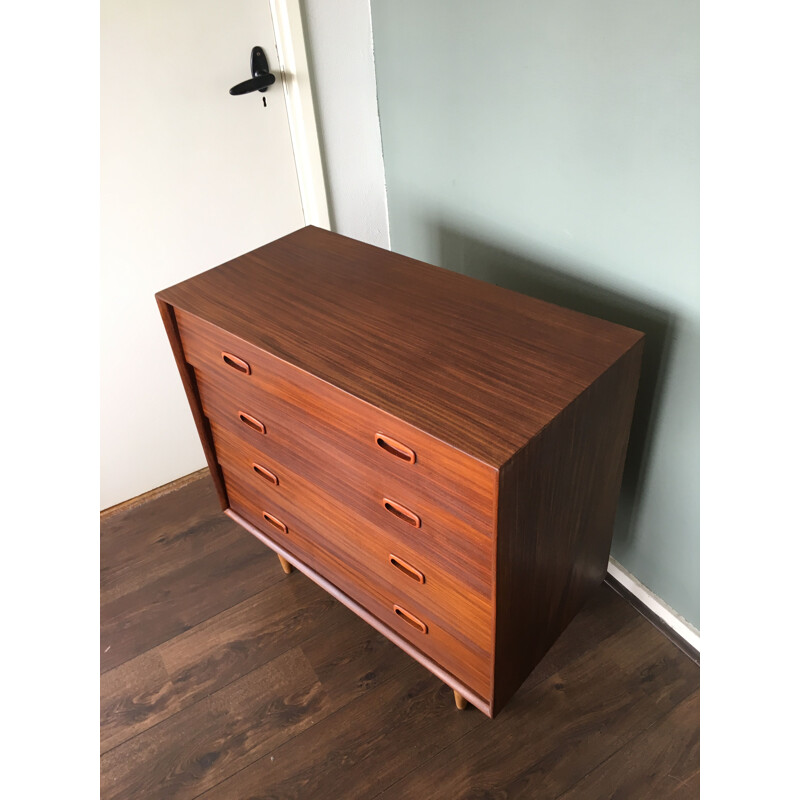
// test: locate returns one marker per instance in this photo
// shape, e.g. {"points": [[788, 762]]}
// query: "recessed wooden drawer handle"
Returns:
{"points": [[406, 568], [401, 512], [265, 473], [239, 364], [395, 448], [415, 622], [275, 522], [252, 422]]}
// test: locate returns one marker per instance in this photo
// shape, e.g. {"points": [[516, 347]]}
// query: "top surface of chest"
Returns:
{"points": [[479, 367]]}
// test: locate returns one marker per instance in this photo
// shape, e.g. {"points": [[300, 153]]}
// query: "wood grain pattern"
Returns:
{"points": [[156, 684], [355, 755], [295, 403], [289, 694], [449, 534], [190, 387], [447, 587], [164, 607], [558, 498], [664, 762], [474, 365], [224, 731], [158, 538], [233, 727], [401, 410], [150, 589]]}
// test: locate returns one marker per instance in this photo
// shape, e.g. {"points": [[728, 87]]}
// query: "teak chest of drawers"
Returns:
{"points": [[442, 455]]}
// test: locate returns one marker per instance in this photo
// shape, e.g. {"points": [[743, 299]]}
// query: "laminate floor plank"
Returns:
{"points": [[555, 731], [179, 600], [140, 544], [663, 762], [151, 687], [214, 738], [368, 745], [225, 678], [374, 742]]}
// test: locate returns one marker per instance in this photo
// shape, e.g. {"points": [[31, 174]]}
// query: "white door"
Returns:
{"points": [[191, 176]]}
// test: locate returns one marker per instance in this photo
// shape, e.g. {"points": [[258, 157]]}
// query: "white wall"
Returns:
{"points": [[339, 41]]}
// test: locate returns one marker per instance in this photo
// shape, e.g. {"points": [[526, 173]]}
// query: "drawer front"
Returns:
{"points": [[407, 458], [461, 658], [416, 579], [408, 519]]}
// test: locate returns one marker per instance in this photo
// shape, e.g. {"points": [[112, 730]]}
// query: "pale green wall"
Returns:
{"points": [[552, 147]]}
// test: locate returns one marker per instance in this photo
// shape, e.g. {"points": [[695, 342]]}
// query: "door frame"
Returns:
{"points": [[287, 22]]}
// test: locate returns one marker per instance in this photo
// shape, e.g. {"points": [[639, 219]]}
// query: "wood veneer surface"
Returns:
{"points": [[478, 366]]}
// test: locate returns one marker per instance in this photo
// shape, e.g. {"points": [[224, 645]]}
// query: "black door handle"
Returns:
{"points": [[262, 77], [260, 83]]}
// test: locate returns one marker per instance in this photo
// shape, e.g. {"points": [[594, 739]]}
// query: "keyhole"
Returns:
{"points": [[265, 101]]}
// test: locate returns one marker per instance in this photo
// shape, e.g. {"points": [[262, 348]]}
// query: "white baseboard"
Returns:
{"points": [[675, 621]]}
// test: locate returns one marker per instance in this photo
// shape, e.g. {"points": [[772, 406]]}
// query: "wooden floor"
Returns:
{"points": [[224, 678]]}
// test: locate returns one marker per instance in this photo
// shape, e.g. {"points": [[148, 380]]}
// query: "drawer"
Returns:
{"points": [[441, 537], [418, 580], [457, 655], [441, 475]]}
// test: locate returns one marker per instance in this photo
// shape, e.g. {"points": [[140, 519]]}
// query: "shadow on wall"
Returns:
{"points": [[480, 259]]}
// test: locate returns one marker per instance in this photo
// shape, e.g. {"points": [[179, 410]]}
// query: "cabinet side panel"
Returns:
{"points": [[192, 395], [556, 507]]}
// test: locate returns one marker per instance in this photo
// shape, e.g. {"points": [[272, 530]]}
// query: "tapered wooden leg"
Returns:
{"points": [[287, 567], [461, 702]]}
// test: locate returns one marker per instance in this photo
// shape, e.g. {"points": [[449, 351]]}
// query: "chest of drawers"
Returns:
{"points": [[442, 455]]}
